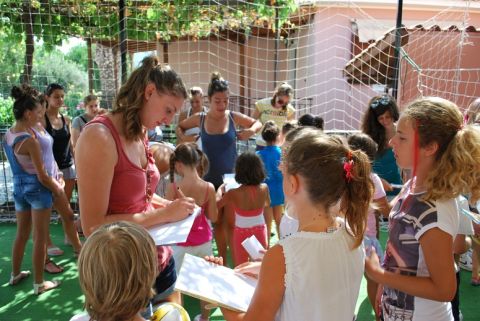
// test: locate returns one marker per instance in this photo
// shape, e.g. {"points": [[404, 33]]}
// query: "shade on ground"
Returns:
{"points": [[18, 303]]}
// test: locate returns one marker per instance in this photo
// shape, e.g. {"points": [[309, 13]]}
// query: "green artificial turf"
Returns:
{"points": [[18, 302]]}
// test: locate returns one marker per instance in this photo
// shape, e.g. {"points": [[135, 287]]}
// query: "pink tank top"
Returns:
{"points": [[132, 186], [201, 231], [249, 218]]}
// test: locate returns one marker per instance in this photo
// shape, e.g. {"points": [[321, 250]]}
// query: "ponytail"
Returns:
{"points": [[457, 171], [203, 164], [358, 193], [332, 173], [457, 159], [189, 155]]}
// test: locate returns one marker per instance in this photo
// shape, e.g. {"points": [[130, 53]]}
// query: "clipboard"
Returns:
{"points": [[175, 232], [215, 284]]}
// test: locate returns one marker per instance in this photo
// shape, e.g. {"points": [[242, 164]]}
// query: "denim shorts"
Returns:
{"points": [[29, 193], [69, 173]]}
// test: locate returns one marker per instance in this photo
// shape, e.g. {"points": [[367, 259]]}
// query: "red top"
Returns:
{"points": [[132, 186]]}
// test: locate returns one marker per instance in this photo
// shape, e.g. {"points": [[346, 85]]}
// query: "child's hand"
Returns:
{"points": [[214, 260], [181, 207], [372, 264], [386, 185], [61, 181], [251, 269]]}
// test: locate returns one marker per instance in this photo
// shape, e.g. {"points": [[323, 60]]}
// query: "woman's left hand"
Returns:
{"points": [[245, 134]]}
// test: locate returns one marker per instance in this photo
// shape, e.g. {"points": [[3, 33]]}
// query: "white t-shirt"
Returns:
{"points": [[410, 218], [465, 226], [323, 276], [268, 112], [379, 192]]}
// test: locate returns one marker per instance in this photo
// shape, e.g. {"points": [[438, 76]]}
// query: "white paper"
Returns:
{"points": [[253, 247], [230, 182], [215, 284], [176, 232], [471, 216]]}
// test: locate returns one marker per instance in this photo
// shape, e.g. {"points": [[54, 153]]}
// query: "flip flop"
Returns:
{"points": [[39, 288], [56, 268], [14, 280], [54, 251]]}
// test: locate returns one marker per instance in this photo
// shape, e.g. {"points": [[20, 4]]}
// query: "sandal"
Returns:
{"points": [[14, 280], [39, 288], [54, 251], [52, 268]]}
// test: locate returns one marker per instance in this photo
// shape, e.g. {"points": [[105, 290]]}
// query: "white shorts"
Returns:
{"points": [[201, 250]]}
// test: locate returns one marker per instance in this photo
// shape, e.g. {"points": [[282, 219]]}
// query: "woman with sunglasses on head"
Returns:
{"points": [[379, 123], [276, 108], [117, 175], [219, 135]]}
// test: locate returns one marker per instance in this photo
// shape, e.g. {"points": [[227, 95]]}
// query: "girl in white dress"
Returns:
{"points": [[315, 274]]}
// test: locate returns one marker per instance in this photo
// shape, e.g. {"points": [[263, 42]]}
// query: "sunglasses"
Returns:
{"points": [[282, 103], [383, 101]]}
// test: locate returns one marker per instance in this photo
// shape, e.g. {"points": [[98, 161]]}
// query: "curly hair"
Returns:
{"points": [[370, 124], [320, 160], [117, 268], [130, 98], [457, 168]]}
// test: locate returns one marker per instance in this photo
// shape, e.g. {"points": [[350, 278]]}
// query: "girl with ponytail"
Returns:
{"points": [[189, 162], [418, 273], [315, 274]]}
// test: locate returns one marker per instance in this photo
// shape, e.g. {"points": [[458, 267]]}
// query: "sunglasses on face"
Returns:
{"points": [[384, 101], [281, 102]]}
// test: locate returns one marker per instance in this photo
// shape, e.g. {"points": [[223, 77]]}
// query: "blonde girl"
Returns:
{"points": [[316, 273], [418, 274], [116, 271]]}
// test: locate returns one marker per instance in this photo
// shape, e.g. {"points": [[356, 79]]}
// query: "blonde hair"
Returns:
{"points": [[457, 171], [130, 97], [117, 269], [320, 160]]}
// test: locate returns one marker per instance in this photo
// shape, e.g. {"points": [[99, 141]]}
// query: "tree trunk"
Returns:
{"points": [[105, 60], [29, 43], [90, 66]]}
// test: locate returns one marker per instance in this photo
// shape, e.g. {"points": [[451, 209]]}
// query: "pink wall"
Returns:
{"points": [[322, 49]]}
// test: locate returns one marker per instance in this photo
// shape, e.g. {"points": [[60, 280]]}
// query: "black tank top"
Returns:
{"points": [[61, 143]]}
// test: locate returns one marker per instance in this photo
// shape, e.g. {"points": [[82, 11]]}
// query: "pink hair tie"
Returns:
{"points": [[348, 167]]}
